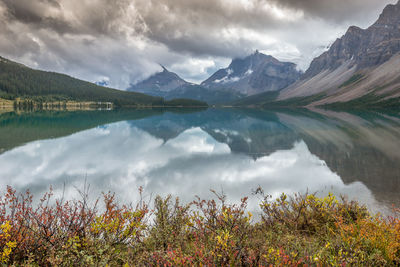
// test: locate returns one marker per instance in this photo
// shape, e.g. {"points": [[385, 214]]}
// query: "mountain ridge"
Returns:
{"points": [[244, 76], [164, 81], [170, 85], [360, 69], [256, 73], [363, 46]]}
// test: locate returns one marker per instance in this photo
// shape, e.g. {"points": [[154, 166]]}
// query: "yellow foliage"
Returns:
{"points": [[9, 245]]}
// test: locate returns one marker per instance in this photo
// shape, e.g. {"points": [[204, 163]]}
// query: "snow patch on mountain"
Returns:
{"points": [[249, 72], [227, 79], [232, 79]]}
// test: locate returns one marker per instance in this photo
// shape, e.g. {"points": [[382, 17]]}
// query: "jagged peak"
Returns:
{"points": [[391, 12], [354, 29], [164, 68], [258, 54]]}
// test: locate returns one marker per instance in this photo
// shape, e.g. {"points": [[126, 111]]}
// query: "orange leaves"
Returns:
{"points": [[54, 225], [373, 235]]}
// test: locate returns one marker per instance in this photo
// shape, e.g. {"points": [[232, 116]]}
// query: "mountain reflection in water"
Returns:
{"points": [[188, 153]]}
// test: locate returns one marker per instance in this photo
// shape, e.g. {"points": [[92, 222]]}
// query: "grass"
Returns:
{"points": [[180, 102], [256, 100], [297, 230], [353, 79], [268, 100], [296, 101], [367, 102]]}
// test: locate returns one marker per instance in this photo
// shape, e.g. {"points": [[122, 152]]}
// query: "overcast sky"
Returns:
{"points": [[123, 41]]}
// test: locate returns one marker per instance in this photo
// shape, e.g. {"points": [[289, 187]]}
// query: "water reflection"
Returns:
{"points": [[188, 154]]}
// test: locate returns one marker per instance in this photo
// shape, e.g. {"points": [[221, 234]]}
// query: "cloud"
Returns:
{"points": [[361, 11], [123, 41]]}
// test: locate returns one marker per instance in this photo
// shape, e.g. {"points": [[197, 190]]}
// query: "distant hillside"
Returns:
{"points": [[17, 80], [257, 73]]}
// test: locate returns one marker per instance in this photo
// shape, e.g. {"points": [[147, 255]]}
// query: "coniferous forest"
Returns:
{"points": [[19, 81]]}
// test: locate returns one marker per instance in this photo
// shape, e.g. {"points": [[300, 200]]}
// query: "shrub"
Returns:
{"points": [[289, 231]]}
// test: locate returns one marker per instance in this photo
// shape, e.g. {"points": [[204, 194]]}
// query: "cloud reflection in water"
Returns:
{"points": [[120, 158]]}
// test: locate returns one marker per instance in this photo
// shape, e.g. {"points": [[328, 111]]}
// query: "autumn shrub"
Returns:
{"points": [[69, 233], [302, 229], [213, 234]]}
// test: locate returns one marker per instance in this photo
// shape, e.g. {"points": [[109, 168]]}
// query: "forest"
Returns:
{"points": [[19, 81]]}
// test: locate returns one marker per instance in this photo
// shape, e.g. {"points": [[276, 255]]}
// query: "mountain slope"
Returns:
{"points": [[17, 80], [254, 74], [363, 63], [361, 69], [159, 83], [169, 85]]}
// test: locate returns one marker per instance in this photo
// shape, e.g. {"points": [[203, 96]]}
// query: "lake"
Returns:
{"points": [[188, 152]]}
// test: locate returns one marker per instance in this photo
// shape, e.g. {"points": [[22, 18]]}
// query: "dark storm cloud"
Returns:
{"points": [[202, 27], [123, 40], [196, 26], [30, 11], [77, 17], [336, 10]]}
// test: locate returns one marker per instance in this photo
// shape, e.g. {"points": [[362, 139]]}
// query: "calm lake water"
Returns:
{"points": [[188, 152]]}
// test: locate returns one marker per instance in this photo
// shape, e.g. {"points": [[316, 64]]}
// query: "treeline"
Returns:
{"points": [[185, 103], [302, 230], [20, 81]]}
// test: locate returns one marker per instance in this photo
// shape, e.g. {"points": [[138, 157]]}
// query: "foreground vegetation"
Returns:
{"points": [[298, 230]]}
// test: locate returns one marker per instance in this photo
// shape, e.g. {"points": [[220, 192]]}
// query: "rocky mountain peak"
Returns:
{"points": [[389, 16], [363, 48], [163, 81], [253, 74], [165, 70]]}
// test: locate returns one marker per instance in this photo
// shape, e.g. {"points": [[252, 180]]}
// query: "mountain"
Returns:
{"points": [[254, 74], [170, 86], [360, 69], [248, 76], [17, 80], [160, 83]]}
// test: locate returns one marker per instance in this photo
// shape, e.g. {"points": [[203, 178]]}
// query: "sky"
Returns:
{"points": [[124, 41]]}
